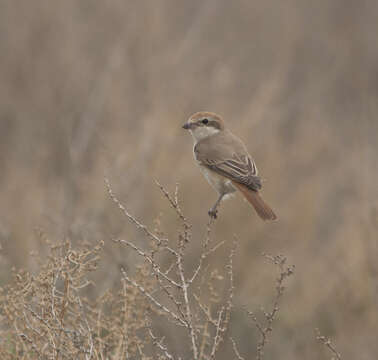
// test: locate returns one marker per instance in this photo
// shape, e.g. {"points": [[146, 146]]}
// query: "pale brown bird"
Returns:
{"points": [[225, 162]]}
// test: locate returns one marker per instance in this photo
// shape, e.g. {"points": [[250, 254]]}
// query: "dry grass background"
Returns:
{"points": [[92, 87]]}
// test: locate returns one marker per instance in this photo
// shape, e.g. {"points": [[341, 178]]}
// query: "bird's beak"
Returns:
{"points": [[186, 126]]}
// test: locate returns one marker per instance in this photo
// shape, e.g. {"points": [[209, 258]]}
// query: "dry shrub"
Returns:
{"points": [[179, 294], [47, 315], [50, 315], [191, 298]]}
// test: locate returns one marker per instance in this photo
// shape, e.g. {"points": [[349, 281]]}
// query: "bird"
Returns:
{"points": [[225, 162]]}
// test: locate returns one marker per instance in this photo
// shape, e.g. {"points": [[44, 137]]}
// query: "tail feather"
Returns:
{"points": [[261, 207]]}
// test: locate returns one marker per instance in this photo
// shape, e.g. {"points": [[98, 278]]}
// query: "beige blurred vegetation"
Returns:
{"points": [[89, 88]]}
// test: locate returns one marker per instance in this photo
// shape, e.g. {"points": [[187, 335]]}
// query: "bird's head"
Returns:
{"points": [[203, 124]]}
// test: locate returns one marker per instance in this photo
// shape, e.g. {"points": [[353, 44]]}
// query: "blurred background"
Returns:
{"points": [[89, 88]]}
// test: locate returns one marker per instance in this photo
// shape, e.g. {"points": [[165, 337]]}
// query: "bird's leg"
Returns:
{"points": [[213, 211]]}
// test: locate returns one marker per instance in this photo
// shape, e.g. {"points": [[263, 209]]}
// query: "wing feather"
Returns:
{"points": [[230, 159], [242, 170]]}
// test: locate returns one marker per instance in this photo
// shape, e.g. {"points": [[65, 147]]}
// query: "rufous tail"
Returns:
{"points": [[261, 207]]}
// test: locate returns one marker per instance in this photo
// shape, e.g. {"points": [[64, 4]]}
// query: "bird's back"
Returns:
{"points": [[223, 145]]}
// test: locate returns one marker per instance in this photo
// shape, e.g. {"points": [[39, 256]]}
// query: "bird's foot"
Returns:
{"points": [[213, 213]]}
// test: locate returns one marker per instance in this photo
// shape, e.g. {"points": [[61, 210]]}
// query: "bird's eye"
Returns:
{"points": [[205, 121]]}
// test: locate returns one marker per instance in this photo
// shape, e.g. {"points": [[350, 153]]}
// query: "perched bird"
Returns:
{"points": [[225, 162]]}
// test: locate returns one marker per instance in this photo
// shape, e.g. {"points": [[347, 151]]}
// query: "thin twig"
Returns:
{"points": [[327, 342], [153, 300], [175, 204], [218, 331], [184, 287], [202, 259], [285, 272], [236, 351], [131, 218], [150, 260], [159, 344]]}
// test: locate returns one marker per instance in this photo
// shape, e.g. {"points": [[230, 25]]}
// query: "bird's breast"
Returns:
{"points": [[220, 183]]}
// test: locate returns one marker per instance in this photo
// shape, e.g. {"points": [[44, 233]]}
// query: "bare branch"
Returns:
{"points": [[264, 330], [327, 342], [175, 204], [236, 351], [202, 259], [153, 300], [154, 265], [159, 344], [184, 287], [131, 218]]}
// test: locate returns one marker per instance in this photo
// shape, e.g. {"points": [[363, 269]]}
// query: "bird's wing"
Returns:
{"points": [[234, 164]]}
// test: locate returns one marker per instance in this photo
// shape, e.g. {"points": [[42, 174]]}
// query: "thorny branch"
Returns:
{"points": [[327, 342], [50, 316], [159, 343], [205, 323], [132, 219], [264, 330], [236, 351], [175, 282], [48, 311]]}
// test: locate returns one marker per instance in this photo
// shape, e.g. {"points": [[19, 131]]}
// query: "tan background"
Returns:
{"points": [[95, 87]]}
